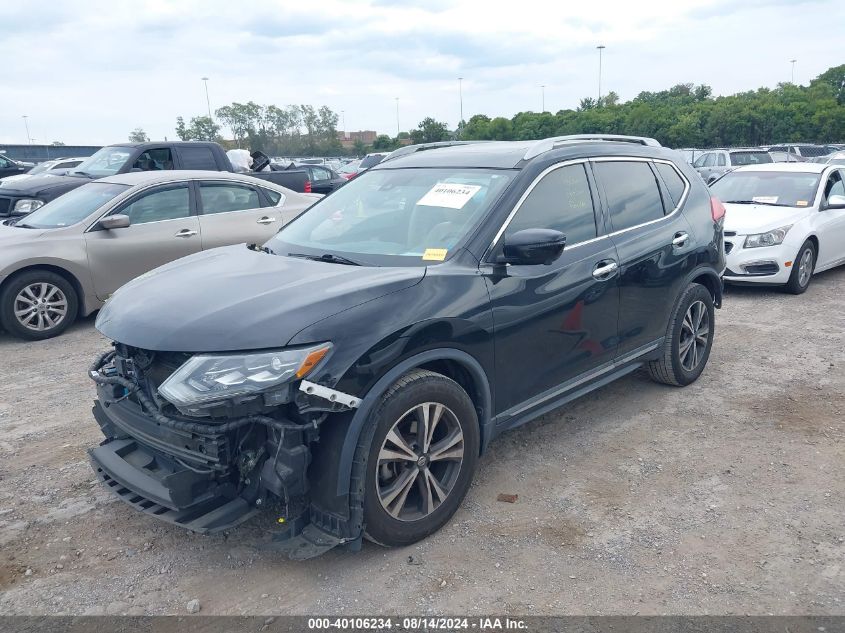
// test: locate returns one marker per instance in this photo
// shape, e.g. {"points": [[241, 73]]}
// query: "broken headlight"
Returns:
{"points": [[213, 377]]}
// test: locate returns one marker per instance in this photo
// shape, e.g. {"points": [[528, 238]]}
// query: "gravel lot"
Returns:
{"points": [[724, 497]]}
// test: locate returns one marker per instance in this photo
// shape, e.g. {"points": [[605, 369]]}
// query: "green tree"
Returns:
{"points": [[383, 143], [430, 131], [138, 136], [201, 128]]}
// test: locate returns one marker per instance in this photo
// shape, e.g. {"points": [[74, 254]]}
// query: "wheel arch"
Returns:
{"points": [[58, 270], [708, 278], [456, 364]]}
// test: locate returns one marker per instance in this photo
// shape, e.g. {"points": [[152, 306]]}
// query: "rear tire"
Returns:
{"points": [[688, 341], [415, 481], [37, 305], [802, 269]]}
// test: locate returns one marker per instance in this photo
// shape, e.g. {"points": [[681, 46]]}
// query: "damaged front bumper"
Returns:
{"points": [[213, 474]]}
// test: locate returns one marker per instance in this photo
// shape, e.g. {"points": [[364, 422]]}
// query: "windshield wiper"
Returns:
{"points": [[24, 225], [771, 204], [329, 258]]}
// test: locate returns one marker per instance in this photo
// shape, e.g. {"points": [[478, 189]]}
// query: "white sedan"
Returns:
{"points": [[783, 222]]}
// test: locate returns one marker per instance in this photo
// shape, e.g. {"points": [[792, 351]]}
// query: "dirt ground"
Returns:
{"points": [[725, 497]]}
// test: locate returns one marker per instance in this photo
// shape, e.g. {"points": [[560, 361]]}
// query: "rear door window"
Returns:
{"points": [[201, 158], [633, 196], [561, 201], [224, 197]]}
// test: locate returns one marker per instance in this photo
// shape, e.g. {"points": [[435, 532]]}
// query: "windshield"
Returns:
{"points": [[750, 158], [105, 162], [401, 217], [371, 161], [72, 207], [38, 169], [796, 189]]}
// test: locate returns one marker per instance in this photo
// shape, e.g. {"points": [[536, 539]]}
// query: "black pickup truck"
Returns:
{"points": [[19, 198]]}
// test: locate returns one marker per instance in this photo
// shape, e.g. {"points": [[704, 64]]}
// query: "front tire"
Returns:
{"points": [[38, 304], [421, 452], [802, 269], [689, 339]]}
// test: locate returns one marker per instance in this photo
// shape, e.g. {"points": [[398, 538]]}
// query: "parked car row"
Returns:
{"points": [[20, 197], [350, 369], [713, 163]]}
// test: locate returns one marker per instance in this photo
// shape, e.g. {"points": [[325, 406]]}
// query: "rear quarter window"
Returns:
{"points": [[675, 184]]}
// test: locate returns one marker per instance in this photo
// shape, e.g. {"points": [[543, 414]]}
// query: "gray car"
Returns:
{"points": [[718, 162], [65, 259]]}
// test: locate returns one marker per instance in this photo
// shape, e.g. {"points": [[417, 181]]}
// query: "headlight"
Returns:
{"points": [[207, 378], [27, 205], [771, 238]]}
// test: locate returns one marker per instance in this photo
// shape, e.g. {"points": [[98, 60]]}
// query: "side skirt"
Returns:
{"points": [[574, 388]]}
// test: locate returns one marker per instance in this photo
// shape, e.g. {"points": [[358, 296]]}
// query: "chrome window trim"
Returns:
{"points": [[598, 159]]}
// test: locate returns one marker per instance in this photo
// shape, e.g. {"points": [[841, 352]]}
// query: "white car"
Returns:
{"points": [[55, 167], [783, 222]]}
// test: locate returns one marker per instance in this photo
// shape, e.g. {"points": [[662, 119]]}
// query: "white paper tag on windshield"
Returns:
{"points": [[765, 199], [449, 195]]}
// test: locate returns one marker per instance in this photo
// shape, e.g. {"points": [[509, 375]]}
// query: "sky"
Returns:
{"points": [[89, 71]]}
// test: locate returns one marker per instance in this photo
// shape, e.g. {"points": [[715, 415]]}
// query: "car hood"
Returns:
{"points": [[747, 219], [234, 298], [33, 185]]}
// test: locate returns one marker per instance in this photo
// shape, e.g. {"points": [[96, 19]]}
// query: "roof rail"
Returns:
{"points": [[411, 149], [548, 144]]}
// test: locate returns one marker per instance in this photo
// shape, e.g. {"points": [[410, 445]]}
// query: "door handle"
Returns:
{"points": [[604, 270], [680, 239], [266, 220], [185, 233]]}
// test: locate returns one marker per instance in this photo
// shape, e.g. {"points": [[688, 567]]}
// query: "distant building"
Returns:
{"points": [[348, 139]]}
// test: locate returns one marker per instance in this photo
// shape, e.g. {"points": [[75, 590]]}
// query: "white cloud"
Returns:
{"points": [[90, 71]]}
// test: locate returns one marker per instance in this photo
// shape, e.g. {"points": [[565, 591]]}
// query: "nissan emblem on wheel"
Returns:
{"points": [[348, 374]]}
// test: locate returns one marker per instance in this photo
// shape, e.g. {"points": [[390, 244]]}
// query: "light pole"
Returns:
{"points": [[792, 61], [345, 131], [600, 48], [207, 100], [542, 98], [397, 117], [461, 100], [26, 125]]}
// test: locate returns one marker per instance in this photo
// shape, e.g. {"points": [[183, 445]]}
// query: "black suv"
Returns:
{"points": [[350, 372]]}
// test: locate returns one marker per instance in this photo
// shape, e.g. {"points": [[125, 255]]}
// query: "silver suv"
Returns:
{"points": [[717, 162]]}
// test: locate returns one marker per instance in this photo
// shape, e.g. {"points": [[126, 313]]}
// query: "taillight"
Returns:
{"points": [[308, 187], [717, 209]]}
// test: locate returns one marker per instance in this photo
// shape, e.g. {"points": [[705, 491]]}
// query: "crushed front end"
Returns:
{"points": [[205, 441]]}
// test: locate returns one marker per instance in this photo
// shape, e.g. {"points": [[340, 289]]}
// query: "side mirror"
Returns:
{"points": [[835, 202], [118, 221], [533, 246]]}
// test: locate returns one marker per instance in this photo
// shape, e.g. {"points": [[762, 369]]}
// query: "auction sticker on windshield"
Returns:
{"points": [[765, 199], [435, 254], [449, 195]]}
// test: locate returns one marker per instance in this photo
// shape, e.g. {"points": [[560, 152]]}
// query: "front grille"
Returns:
{"points": [[5, 206], [729, 246], [730, 233]]}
